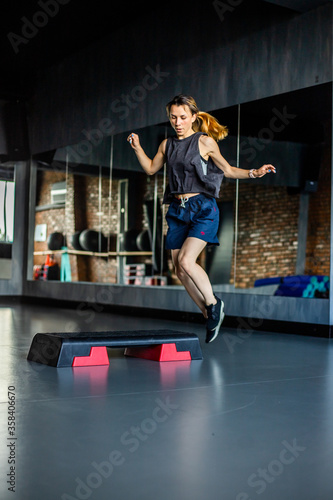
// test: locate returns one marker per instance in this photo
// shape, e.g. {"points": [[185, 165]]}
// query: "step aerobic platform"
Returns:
{"points": [[89, 348]]}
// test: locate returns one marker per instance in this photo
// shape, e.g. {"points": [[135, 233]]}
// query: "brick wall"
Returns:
{"points": [[55, 219], [90, 200], [267, 233], [80, 212]]}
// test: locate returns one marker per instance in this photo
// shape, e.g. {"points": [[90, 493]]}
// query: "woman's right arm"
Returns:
{"points": [[148, 165]]}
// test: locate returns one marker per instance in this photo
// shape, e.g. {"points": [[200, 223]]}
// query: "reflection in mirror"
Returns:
{"points": [[7, 207], [72, 225], [89, 228], [142, 259], [50, 222], [284, 220], [219, 260], [96, 223]]}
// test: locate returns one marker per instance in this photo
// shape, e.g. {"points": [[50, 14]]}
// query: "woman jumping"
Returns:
{"points": [[195, 170]]}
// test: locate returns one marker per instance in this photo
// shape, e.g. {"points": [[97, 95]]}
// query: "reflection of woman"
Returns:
{"points": [[195, 169]]}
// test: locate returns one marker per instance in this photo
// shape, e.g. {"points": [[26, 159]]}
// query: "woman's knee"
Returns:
{"points": [[185, 264], [179, 271]]}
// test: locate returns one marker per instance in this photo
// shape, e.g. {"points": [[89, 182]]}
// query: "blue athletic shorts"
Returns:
{"points": [[199, 218]]}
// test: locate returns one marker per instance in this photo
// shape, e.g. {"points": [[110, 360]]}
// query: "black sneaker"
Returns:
{"points": [[215, 317]]}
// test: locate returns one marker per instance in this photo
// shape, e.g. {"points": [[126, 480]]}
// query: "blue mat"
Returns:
{"points": [[298, 286]]}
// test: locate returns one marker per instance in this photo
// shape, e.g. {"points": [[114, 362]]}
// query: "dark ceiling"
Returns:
{"points": [[66, 26], [299, 5]]}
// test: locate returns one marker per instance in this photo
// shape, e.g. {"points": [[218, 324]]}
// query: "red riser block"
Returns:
{"points": [[98, 356], [163, 352]]}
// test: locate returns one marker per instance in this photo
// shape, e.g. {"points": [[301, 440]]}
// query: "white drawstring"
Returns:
{"points": [[183, 201]]}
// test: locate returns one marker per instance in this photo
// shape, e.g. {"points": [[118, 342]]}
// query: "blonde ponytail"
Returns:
{"points": [[205, 122], [209, 125]]}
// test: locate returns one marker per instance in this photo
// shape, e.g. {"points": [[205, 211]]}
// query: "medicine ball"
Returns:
{"points": [[93, 241], [55, 241], [127, 240], [143, 241], [75, 241]]}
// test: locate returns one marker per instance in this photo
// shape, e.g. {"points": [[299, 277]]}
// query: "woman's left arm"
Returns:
{"points": [[211, 149]]}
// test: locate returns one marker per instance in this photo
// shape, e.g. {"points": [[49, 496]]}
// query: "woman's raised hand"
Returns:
{"points": [[133, 139], [265, 169]]}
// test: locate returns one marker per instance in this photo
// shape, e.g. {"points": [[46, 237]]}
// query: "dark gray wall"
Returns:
{"points": [[15, 286], [255, 50]]}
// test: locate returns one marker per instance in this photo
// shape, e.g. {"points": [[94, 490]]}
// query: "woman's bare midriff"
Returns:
{"points": [[185, 195]]}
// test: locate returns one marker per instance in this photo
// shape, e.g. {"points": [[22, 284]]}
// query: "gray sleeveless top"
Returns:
{"points": [[187, 171]]}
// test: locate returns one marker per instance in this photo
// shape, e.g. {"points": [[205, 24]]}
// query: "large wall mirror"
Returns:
{"points": [[99, 218], [282, 222], [7, 207]]}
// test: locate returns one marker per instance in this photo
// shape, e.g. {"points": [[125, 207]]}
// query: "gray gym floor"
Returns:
{"points": [[253, 419]]}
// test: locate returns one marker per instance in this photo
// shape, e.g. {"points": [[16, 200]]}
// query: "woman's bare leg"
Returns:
{"points": [[192, 275]]}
